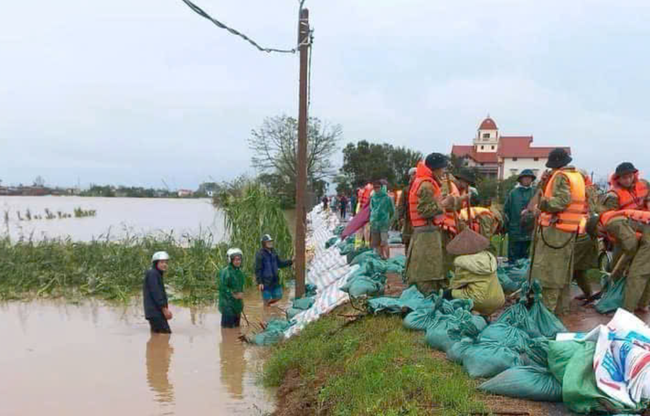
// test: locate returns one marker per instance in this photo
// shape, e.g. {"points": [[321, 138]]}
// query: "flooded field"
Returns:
{"points": [[95, 359], [118, 216]]}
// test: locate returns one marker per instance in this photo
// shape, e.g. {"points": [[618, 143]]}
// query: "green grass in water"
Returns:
{"points": [[373, 366]]}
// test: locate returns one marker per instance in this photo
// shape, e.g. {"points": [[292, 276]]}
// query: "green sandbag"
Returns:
{"points": [[437, 336], [329, 243], [507, 335], [579, 390], [410, 299], [421, 319], [479, 321], [506, 283], [350, 256], [487, 359], [339, 230], [396, 264], [365, 286], [612, 298], [303, 303], [518, 272], [310, 290], [292, 312], [537, 352], [456, 352], [525, 382], [518, 316], [273, 333], [385, 304], [545, 321], [364, 257]]}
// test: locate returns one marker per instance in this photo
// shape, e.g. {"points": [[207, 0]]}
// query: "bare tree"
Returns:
{"points": [[274, 145]]}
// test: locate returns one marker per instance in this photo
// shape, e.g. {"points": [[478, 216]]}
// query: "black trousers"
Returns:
{"points": [[230, 321], [159, 326]]}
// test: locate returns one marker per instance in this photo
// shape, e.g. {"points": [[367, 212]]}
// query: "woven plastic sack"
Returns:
{"points": [[273, 333], [292, 312], [352, 254], [437, 336], [363, 285], [525, 382], [421, 319], [506, 283], [329, 243], [546, 323], [396, 264], [612, 298], [310, 290], [507, 335], [303, 303], [487, 359], [364, 257], [456, 352]]}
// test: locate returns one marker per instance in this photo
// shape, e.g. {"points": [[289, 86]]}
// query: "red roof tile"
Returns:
{"points": [[479, 157], [488, 124], [520, 146]]}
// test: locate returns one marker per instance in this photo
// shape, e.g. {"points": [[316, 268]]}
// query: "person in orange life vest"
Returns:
{"points": [[626, 223], [425, 263], [586, 250], [562, 216], [466, 182], [403, 212]]}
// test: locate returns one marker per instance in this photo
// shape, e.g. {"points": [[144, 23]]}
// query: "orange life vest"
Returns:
{"points": [[574, 217], [631, 214], [476, 213], [424, 174], [365, 195], [630, 198]]}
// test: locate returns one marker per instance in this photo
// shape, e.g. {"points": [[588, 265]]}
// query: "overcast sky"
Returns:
{"points": [[136, 91]]}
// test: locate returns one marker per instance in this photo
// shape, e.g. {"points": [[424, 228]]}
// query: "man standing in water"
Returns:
{"points": [[267, 271], [231, 290], [154, 297]]}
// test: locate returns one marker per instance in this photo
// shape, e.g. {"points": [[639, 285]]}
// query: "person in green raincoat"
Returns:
{"points": [[382, 210], [555, 247], [519, 237], [425, 260], [403, 213], [231, 290], [475, 273]]}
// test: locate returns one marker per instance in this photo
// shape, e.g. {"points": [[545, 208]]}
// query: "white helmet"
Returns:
{"points": [[234, 252], [159, 255]]}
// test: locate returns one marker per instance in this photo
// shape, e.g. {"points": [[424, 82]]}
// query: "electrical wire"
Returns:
{"points": [[235, 32]]}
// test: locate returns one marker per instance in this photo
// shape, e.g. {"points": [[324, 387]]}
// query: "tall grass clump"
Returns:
{"points": [[250, 211], [111, 270]]}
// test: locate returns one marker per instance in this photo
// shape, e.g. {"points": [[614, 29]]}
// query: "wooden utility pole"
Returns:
{"points": [[301, 178]]}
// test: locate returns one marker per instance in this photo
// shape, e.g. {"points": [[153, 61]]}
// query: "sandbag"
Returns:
{"points": [[517, 315], [329, 243], [421, 319], [437, 336], [456, 352], [488, 358], [364, 257], [613, 297], [396, 264], [354, 253], [411, 299], [273, 333], [507, 284], [507, 335], [525, 382], [292, 312], [546, 323], [304, 303]]}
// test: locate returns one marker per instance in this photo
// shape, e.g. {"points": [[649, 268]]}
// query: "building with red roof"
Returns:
{"points": [[500, 156]]}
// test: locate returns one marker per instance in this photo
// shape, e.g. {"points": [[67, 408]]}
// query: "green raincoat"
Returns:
{"points": [[231, 280], [404, 215], [476, 278], [382, 210], [516, 202], [553, 266]]}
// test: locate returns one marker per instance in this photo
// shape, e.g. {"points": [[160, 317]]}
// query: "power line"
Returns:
{"points": [[235, 32]]}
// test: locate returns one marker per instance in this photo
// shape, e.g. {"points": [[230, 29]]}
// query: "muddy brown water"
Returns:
{"points": [[98, 359]]}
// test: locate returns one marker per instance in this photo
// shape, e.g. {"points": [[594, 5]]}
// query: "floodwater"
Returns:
{"points": [[95, 359], [115, 216]]}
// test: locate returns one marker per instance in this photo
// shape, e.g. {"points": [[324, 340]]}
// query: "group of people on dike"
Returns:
{"points": [[560, 222], [230, 281]]}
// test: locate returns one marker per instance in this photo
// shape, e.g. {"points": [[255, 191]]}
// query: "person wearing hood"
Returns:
{"points": [[425, 261], [519, 235], [475, 273], [625, 220], [382, 210], [561, 213], [403, 212], [267, 271], [231, 289], [154, 296]]}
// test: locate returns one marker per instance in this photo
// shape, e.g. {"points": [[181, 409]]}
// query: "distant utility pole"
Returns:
{"points": [[301, 180]]}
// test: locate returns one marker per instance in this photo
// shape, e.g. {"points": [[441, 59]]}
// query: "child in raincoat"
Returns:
{"points": [[475, 274], [231, 290]]}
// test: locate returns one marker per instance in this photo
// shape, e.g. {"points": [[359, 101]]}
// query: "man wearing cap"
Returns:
{"points": [[403, 212], [519, 236], [425, 264], [630, 194], [562, 216], [267, 271]]}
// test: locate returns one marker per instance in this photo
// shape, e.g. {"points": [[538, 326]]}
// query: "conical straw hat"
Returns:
{"points": [[467, 242]]}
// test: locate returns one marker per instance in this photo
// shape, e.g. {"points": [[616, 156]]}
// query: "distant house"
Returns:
{"points": [[184, 193], [501, 157]]}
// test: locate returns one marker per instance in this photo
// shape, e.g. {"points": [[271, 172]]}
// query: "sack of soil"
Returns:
{"points": [[329, 243], [273, 333], [507, 335], [525, 382], [488, 358], [546, 323], [421, 319], [613, 297], [304, 303], [507, 284], [437, 336]]}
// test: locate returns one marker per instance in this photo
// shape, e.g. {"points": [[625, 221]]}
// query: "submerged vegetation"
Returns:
{"points": [[113, 270]]}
